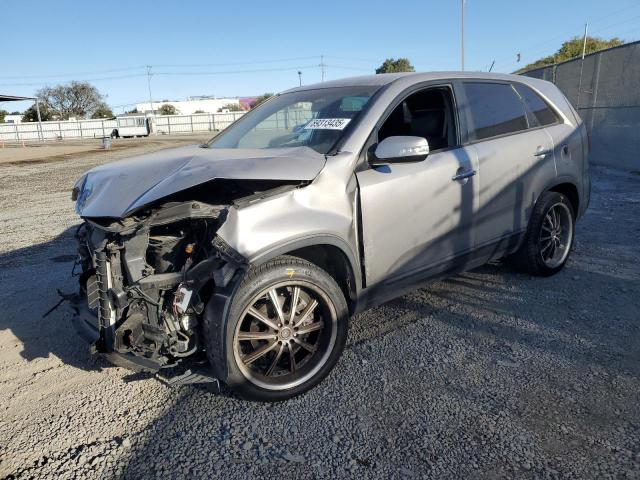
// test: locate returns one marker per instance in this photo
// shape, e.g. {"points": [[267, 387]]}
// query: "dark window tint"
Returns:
{"points": [[542, 113], [495, 109], [427, 113]]}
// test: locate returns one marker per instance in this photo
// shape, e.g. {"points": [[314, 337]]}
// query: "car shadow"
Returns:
{"points": [[31, 278]]}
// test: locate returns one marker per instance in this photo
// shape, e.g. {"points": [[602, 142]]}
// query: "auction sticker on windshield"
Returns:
{"points": [[327, 124]]}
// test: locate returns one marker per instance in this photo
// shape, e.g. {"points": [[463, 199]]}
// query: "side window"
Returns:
{"points": [[427, 113], [542, 112], [495, 109]]}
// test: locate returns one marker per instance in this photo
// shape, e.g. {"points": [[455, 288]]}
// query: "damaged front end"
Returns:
{"points": [[146, 278], [152, 249]]}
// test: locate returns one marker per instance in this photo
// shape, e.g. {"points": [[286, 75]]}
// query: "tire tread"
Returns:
{"points": [[527, 258], [215, 325]]}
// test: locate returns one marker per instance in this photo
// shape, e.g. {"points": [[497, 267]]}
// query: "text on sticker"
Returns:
{"points": [[327, 124]]}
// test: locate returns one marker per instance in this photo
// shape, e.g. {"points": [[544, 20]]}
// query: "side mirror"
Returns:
{"points": [[400, 149]]}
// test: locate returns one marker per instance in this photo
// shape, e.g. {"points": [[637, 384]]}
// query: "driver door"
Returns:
{"points": [[416, 218]]}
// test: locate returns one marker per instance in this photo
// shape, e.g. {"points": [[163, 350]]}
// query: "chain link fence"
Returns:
{"points": [[605, 89]]}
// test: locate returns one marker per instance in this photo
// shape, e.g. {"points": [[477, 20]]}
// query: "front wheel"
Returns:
{"points": [[286, 328], [549, 236]]}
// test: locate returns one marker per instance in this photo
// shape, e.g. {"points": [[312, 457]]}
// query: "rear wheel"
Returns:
{"points": [[286, 329], [549, 236]]}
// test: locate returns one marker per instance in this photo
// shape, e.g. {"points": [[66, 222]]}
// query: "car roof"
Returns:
{"points": [[404, 80], [408, 77]]}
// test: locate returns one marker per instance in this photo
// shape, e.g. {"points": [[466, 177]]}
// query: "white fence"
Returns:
{"points": [[198, 122], [18, 132], [165, 124]]}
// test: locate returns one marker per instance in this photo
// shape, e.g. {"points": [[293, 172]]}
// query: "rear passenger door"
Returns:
{"points": [[514, 159], [567, 141]]}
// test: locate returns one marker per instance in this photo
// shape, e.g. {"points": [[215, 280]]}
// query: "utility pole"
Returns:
{"points": [[300, 77], [149, 85], [462, 34], [584, 41], [584, 48], [322, 65], [40, 133]]}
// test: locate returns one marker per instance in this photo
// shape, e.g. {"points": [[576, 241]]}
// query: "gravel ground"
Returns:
{"points": [[491, 374], [69, 149]]}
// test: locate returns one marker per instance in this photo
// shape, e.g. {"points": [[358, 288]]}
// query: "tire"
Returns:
{"points": [[273, 375], [535, 256]]}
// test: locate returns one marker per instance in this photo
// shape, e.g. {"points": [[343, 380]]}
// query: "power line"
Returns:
{"points": [[609, 15], [227, 72], [346, 67], [529, 49], [616, 24], [75, 73], [146, 74], [187, 65], [352, 59], [36, 84], [143, 67], [512, 65]]}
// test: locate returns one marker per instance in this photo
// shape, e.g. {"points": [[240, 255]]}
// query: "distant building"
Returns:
{"points": [[13, 118], [246, 102], [191, 105]]}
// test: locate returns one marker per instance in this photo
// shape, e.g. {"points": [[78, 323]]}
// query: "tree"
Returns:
{"points": [[102, 111], [3, 113], [133, 110], [232, 107], [167, 109], [391, 65], [261, 99], [199, 111], [31, 114], [77, 99], [573, 49]]}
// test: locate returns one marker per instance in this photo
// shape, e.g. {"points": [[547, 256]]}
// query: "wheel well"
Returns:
{"points": [[333, 261], [570, 191]]}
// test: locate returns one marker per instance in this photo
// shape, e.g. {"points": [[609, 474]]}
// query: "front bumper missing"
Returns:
{"points": [[85, 323]]}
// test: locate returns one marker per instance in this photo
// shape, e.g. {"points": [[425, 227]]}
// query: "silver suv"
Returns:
{"points": [[243, 259]]}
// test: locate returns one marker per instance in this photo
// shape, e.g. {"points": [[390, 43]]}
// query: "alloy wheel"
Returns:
{"points": [[285, 335], [556, 235]]}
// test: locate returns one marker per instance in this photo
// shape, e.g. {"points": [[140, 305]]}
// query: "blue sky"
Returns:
{"points": [[250, 47]]}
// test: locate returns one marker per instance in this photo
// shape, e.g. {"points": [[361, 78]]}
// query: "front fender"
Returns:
{"points": [[322, 212]]}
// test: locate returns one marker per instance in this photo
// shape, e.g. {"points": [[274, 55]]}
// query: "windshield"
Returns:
{"points": [[311, 118]]}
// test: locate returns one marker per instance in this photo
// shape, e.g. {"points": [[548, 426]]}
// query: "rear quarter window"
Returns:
{"points": [[542, 113], [495, 109]]}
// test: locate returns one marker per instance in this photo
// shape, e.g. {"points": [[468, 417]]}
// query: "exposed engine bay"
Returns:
{"points": [[146, 278]]}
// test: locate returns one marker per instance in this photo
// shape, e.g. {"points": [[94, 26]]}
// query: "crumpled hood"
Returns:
{"points": [[117, 189]]}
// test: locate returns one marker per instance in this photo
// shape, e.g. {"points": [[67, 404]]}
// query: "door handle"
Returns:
{"points": [[463, 175], [541, 153]]}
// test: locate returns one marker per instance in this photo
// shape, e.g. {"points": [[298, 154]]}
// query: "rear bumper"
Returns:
{"points": [[85, 323]]}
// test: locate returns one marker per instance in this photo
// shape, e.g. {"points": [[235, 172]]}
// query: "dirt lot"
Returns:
{"points": [[51, 151], [491, 374]]}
